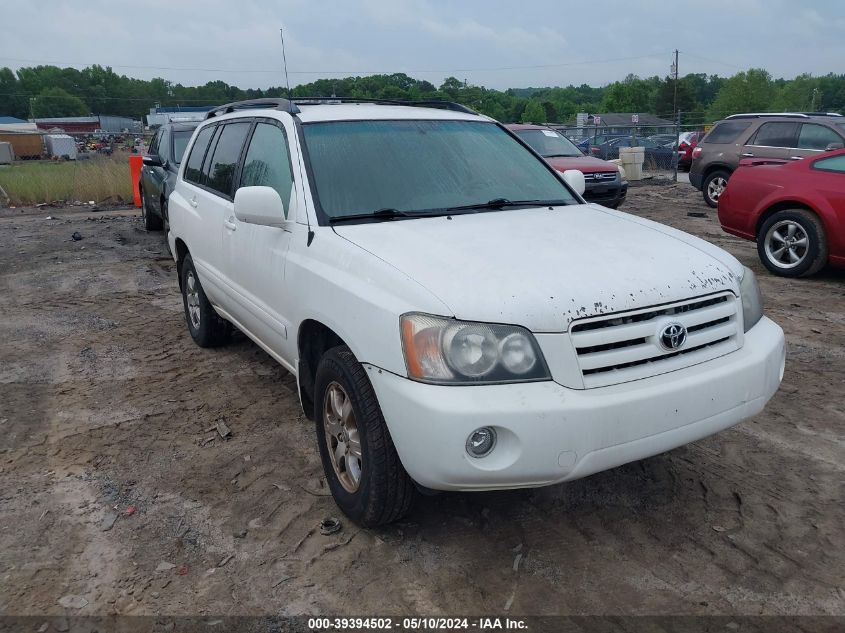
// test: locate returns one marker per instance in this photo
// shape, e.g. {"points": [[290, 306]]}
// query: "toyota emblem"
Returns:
{"points": [[673, 336]]}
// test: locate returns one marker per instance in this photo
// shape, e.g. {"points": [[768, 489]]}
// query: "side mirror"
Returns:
{"points": [[259, 205], [575, 179], [151, 160], [834, 146]]}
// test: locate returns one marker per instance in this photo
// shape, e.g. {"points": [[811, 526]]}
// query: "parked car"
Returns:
{"points": [[604, 182], [158, 175], [788, 136], [794, 210], [687, 142], [657, 156], [456, 316]]}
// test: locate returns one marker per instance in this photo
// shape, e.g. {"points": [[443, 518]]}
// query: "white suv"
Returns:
{"points": [[456, 316]]}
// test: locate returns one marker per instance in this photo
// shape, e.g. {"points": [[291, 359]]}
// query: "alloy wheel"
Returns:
{"points": [[193, 299], [342, 437], [786, 244], [716, 187]]}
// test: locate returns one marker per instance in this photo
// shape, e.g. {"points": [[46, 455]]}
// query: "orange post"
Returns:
{"points": [[135, 164]]}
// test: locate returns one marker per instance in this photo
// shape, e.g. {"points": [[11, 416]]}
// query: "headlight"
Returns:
{"points": [[752, 299], [447, 351]]}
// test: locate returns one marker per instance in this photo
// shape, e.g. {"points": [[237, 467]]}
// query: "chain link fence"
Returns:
{"points": [[667, 148]]}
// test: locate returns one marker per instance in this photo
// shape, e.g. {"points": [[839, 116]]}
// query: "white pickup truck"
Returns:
{"points": [[456, 316]]}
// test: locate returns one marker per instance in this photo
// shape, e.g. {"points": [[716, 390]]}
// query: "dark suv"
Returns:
{"points": [[781, 136], [158, 175]]}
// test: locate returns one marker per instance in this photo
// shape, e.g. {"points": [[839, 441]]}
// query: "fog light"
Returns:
{"points": [[481, 441]]}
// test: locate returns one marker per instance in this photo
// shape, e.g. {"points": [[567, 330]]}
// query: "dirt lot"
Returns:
{"points": [[107, 406]]}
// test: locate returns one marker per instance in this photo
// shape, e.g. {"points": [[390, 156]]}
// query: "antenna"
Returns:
{"points": [[285, 61]]}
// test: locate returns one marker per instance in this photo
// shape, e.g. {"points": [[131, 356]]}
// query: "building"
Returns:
{"points": [[25, 137], [86, 125], [158, 115]]}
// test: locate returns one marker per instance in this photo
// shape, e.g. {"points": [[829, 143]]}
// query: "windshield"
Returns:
{"points": [[360, 167], [841, 126], [180, 142], [548, 143]]}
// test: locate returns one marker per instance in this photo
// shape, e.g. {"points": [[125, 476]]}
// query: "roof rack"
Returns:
{"points": [[424, 103], [822, 113], [290, 105], [271, 103], [757, 115]]}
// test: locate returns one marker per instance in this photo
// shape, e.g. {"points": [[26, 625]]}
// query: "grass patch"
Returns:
{"points": [[98, 179]]}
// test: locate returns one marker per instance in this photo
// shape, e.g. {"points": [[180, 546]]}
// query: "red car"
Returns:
{"points": [[795, 211], [604, 182], [687, 142]]}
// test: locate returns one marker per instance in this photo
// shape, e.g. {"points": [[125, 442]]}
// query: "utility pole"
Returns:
{"points": [[677, 116]]}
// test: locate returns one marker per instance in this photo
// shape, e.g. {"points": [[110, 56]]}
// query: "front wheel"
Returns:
{"points": [[713, 186], [792, 243], [362, 467]]}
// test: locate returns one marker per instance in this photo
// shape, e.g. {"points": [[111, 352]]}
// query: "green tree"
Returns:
{"points": [[55, 102], [11, 102], [749, 91], [534, 112]]}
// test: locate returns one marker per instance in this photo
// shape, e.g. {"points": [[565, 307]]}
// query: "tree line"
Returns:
{"points": [[46, 91]]}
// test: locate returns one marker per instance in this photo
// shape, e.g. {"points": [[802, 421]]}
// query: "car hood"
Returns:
{"points": [[543, 268], [586, 164]]}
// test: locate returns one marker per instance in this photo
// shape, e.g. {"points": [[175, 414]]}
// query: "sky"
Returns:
{"points": [[494, 43]]}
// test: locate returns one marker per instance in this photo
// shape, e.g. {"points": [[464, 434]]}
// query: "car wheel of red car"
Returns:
{"points": [[792, 243]]}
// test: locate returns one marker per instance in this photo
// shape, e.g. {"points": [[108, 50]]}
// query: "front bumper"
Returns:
{"points": [[608, 195], [548, 433]]}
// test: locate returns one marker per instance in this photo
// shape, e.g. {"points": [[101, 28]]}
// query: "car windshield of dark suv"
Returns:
{"points": [[410, 168], [180, 142], [548, 143]]}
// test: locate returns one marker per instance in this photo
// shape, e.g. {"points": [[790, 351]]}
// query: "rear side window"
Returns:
{"points": [[193, 168], [776, 134], [834, 163], [814, 136], [227, 153], [267, 162], [727, 131]]}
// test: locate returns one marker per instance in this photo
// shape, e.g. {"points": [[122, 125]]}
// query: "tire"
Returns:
{"points": [[152, 222], [383, 492], [792, 243], [204, 324], [713, 185]]}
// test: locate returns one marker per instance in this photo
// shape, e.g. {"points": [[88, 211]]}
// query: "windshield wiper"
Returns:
{"points": [[381, 214], [502, 203], [562, 155]]}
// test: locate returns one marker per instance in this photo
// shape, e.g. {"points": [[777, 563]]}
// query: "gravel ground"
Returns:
{"points": [[117, 494]]}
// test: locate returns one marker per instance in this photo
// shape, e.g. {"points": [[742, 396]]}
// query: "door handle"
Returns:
{"points": [[795, 157], [193, 202], [748, 155], [229, 223]]}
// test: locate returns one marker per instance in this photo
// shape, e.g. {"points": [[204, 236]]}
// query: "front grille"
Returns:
{"points": [[609, 176], [622, 347]]}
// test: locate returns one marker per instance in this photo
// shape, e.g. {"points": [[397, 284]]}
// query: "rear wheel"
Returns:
{"points": [[205, 325], [365, 475], [792, 243], [151, 221], [713, 186]]}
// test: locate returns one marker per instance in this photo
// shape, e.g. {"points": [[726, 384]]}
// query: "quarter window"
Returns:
{"points": [[193, 168], [834, 163], [777, 134], [815, 136], [227, 152], [267, 162]]}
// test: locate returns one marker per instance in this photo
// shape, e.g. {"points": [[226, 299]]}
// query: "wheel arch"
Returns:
{"points": [[784, 205], [715, 167], [313, 339]]}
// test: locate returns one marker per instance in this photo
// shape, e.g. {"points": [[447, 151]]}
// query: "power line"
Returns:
{"points": [[708, 59], [336, 72]]}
